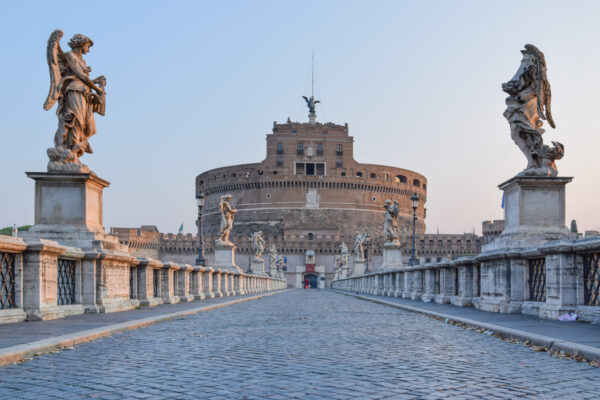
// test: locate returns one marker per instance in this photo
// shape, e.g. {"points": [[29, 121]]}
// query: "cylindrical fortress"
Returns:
{"points": [[309, 189]]}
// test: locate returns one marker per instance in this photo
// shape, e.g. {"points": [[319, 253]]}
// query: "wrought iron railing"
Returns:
{"points": [[155, 282], [66, 282], [537, 279], [591, 279], [7, 280]]}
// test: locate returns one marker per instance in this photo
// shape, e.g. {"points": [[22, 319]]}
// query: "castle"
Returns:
{"points": [[307, 197]]}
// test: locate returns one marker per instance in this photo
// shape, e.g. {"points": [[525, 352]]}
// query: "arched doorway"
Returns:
{"points": [[311, 281]]}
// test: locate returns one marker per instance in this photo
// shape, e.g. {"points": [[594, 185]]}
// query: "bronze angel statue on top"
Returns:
{"points": [[78, 97], [527, 105], [311, 103]]}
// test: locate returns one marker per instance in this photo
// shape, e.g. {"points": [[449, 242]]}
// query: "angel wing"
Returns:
{"points": [[54, 54], [305, 98]]}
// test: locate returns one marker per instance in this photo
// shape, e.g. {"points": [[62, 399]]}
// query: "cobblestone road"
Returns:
{"points": [[303, 344]]}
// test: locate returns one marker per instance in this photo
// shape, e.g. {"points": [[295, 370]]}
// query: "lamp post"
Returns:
{"points": [[200, 198], [414, 202]]}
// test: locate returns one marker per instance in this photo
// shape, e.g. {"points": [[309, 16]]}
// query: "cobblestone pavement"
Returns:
{"points": [[302, 344]]}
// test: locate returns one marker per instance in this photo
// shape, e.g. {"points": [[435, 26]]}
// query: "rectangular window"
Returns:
{"points": [[319, 149], [300, 168], [310, 169], [386, 176], [320, 169], [339, 162], [279, 161], [300, 149], [279, 148], [339, 150]]}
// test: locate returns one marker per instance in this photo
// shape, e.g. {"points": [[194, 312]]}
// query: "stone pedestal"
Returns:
{"points": [[258, 267], [68, 207], [225, 258], [359, 267], [344, 272], [392, 257], [534, 212]]}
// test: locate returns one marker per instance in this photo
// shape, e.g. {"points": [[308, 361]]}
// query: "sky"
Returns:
{"points": [[195, 85]]}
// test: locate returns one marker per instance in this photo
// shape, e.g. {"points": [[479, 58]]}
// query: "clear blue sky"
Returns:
{"points": [[194, 85]]}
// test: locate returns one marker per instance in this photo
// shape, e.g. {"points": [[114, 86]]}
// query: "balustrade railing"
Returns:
{"points": [[7, 280]]}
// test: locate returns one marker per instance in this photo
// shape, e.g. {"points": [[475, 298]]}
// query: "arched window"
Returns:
{"points": [[373, 176], [416, 183], [401, 179]]}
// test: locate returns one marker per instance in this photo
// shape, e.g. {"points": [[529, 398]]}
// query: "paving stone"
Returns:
{"points": [[303, 344]]}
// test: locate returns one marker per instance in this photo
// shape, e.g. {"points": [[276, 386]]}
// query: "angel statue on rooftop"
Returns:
{"points": [[78, 97]]}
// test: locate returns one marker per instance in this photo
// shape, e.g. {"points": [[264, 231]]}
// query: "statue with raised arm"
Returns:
{"points": [[227, 215], [359, 248], [311, 103], [78, 97], [527, 105], [258, 243], [272, 256], [390, 224], [345, 254]]}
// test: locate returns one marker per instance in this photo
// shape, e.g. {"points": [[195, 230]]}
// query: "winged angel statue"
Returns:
{"points": [[527, 105], [78, 97]]}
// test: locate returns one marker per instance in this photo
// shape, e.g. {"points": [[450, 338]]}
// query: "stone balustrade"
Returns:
{"points": [[42, 279], [546, 281]]}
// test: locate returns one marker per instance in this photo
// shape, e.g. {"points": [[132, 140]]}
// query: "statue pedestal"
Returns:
{"points": [[359, 267], [258, 267], [312, 119], [392, 257], [344, 272], [534, 212], [225, 258], [68, 209]]}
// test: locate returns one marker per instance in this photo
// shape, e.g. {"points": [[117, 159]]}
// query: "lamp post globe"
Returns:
{"points": [[200, 198], [414, 202]]}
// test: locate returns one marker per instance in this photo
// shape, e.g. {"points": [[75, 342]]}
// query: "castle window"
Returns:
{"points": [[320, 169], [339, 150], [319, 149], [400, 179], [339, 162], [309, 168], [201, 183], [279, 148], [359, 174], [310, 236], [300, 149], [373, 176], [343, 174], [424, 186], [416, 182], [260, 171], [374, 198], [233, 175], [268, 196], [274, 172], [279, 161], [386, 176]]}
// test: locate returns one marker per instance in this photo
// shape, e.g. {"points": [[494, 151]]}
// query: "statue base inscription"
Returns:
{"points": [[225, 258], [534, 212], [392, 256]]}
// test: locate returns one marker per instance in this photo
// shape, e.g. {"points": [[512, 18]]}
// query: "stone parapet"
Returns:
{"points": [[546, 281]]}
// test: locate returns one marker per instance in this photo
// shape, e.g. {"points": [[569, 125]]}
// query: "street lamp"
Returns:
{"points": [[200, 198], [414, 203]]}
